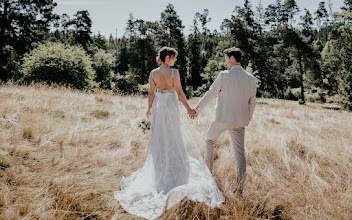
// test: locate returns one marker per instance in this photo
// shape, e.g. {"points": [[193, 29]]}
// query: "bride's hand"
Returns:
{"points": [[192, 113], [149, 113]]}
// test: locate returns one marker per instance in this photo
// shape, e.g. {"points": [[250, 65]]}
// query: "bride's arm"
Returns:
{"points": [[151, 94], [180, 93]]}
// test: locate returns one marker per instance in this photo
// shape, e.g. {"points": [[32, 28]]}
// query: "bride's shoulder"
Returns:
{"points": [[175, 71], [154, 71]]}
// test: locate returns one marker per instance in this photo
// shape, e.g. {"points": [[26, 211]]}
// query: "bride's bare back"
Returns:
{"points": [[163, 78]]}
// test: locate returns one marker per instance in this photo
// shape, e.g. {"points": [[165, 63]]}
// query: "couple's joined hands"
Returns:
{"points": [[192, 113]]}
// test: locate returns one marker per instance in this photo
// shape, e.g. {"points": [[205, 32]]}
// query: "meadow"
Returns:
{"points": [[63, 153]]}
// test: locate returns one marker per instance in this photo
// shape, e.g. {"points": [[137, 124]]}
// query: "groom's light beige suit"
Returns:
{"points": [[236, 92]]}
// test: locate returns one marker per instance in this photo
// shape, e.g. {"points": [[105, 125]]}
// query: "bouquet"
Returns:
{"points": [[145, 125]]}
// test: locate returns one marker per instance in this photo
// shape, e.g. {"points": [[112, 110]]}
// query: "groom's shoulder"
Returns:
{"points": [[249, 75], [224, 72]]}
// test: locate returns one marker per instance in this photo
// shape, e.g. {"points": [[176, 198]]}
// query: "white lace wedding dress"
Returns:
{"points": [[174, 168]]}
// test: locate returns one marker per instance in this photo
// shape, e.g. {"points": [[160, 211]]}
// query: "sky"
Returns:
{"points": [[110, 16]]}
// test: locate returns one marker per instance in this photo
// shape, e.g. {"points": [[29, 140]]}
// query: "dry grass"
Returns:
{"points": [[63, 154]]}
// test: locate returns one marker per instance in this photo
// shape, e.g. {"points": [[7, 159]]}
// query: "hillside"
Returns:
{"points": [[63, 154]]}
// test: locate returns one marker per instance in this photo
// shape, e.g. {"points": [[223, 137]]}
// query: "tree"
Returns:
{"points": [[204, 20], [131, 28], [331, 66], [260, 17], [303, 52], [306, 25], [171, 34], [82, 26], [276, 15], [211, 71], [207, 45], [291, 8], [345, 79], [194, 64], [320, 16], [246, 14], [100, 41], [348, 6], [22, 23], [122, 57]]}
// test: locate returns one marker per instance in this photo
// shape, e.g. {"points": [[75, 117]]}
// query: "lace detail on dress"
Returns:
{"points": [[174, 168]]}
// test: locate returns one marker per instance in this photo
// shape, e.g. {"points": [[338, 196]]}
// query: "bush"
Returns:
{"points": [[143, 89], [60, 64], [292, 94], [103, 64]]}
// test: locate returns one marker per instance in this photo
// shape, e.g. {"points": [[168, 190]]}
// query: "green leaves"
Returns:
{"points": [[60, 64]]}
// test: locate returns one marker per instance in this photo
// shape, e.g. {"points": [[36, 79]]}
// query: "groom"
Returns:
{"points": [[236, 91]]}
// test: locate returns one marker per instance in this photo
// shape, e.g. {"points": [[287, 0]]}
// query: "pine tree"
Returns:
{"points": [[345, 84], [194, 78], [291, 8], [171, 34], [82, 28], [320, 16], [22, 23]]}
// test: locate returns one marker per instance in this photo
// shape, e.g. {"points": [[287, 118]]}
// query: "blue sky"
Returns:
{"points": [[111, 15]]}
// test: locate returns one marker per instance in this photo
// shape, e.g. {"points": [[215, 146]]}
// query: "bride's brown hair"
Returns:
{"points": [[165, 51]]}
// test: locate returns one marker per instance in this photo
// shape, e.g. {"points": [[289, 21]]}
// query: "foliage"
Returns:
{"points": [[22, 22], [210, 73], [60, 64], [103, 64], [284, 51], [345, 82]]}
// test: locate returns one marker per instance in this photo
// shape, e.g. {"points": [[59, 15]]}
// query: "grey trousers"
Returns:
{"points": [[237, 137]]}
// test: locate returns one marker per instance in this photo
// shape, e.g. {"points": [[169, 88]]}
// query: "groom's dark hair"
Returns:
{"points": [[235, 52]]}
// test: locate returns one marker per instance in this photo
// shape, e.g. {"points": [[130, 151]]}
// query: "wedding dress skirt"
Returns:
{"points": [[174, 168]]}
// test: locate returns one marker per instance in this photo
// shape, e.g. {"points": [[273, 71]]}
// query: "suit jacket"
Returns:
{"points": [[236, 91]]}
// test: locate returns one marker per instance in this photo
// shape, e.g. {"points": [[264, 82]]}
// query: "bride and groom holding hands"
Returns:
{"points": [[174, 168]]}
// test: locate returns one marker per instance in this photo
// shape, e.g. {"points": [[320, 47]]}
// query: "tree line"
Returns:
{"points": [[301, 58]]}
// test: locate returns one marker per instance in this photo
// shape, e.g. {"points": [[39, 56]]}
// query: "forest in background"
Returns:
{"points": [[303, 58]]}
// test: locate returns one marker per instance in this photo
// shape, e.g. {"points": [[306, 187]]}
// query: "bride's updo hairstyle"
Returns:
{"points": [[163, 52]]}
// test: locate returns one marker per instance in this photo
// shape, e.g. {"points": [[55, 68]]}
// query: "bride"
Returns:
{"points": [[174, 168]]}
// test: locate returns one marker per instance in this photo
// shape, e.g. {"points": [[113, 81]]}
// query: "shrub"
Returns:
{"points": [[143, 89], [292, 94], [60, 64], [103, 64]]}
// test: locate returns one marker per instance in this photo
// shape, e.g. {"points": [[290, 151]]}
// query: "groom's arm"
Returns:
{"points": [[251, 102], [215, 88]]}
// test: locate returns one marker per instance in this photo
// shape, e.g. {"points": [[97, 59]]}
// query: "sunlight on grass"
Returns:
{"points": [[63, 154]]}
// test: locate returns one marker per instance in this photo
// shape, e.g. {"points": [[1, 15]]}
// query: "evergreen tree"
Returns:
{"points": [[131, 28], [320, 16], [82, 25], [246, 14], [194, 78], [260, 17], [303, 52], [306, 25], [171, 34], [100, 42], [291, 8], [345, 82], [22, 22]]}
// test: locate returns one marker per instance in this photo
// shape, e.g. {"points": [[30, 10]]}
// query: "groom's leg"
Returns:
{"points": [[215, 129], [237, 136]]}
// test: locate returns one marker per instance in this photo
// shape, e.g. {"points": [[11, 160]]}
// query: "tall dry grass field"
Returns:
{"points": [[63, 154]]}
